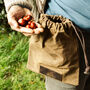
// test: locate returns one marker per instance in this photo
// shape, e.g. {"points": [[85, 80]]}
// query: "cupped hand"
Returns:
{"points": [[17, 12]]}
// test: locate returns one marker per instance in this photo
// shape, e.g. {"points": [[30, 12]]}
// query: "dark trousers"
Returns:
{"points": [[84, 82], [84, 79]]}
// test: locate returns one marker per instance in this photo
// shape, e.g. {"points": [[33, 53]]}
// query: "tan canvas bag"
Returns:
{"points": [[55, 51]]}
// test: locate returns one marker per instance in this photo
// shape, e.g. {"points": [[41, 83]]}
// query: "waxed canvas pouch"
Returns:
{"points": [[55, 51]]}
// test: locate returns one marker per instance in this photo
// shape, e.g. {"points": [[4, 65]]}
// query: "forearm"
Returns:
{"points": [[10, 3]]}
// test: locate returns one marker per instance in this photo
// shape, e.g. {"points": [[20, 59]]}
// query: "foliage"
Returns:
{"points": [[13, 59], [3, 18]]}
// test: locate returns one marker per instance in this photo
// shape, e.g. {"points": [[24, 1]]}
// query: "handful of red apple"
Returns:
{"points": [[27, 21]]}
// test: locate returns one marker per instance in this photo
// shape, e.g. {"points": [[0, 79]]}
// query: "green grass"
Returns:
{"points": [[13, 59]]}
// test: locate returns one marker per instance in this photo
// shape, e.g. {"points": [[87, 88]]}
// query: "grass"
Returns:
{"points": [[13, 59]]}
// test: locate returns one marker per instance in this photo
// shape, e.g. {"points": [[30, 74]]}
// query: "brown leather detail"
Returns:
{"points": [[50, 73]]}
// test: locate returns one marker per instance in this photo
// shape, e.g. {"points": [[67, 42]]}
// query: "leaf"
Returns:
{"points": [[1, 2]]}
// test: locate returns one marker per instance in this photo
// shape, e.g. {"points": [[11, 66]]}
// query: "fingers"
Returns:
{"points": [[26, 30], [26, 34], [29, 31], [38, 30], [38, 25], [13, 23], [27, 11]]}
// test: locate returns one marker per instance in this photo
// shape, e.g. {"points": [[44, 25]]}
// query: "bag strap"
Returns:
{"points": [[82, 41]]}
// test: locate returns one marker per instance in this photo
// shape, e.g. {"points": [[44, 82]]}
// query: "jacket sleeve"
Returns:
{"points": [[31, 4], [9, 3]]}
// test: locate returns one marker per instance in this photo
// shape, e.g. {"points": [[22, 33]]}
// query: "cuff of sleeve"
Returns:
{"points": [[23, 3]]}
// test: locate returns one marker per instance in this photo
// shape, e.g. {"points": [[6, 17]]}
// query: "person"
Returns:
{"points": [[76, 11]]}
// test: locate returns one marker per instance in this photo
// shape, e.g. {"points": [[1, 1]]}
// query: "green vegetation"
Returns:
{"points": [[13, 60]]}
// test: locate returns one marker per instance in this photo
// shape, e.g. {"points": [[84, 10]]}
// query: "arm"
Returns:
{"points": [[15, 10]]}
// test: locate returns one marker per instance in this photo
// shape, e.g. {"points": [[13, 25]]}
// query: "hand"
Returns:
{"points": [[15, 13]]}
